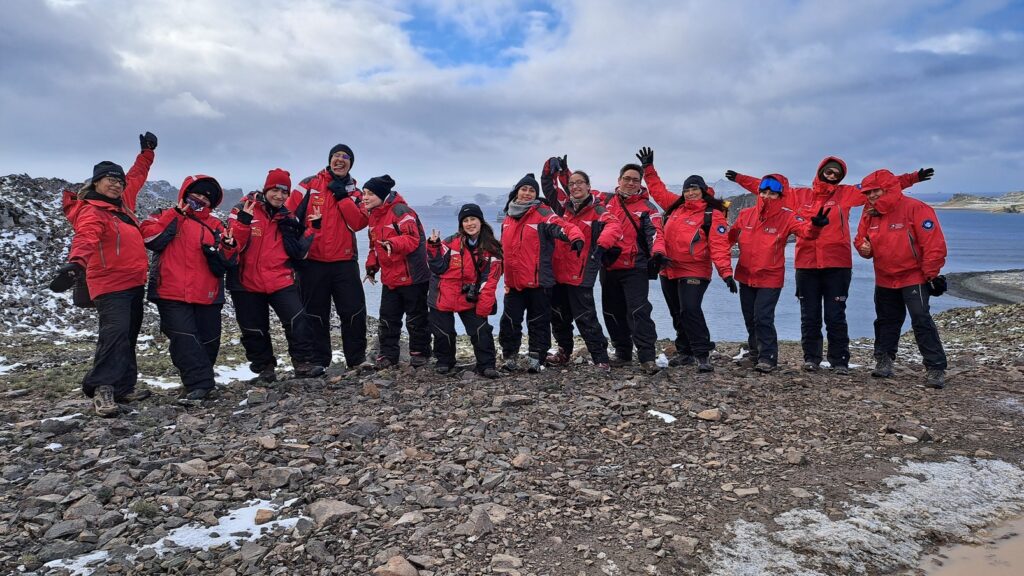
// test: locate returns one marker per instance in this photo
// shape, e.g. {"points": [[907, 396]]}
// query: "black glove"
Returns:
{"points": [[925, 174], [339, 188], [597, 254], [611, 255], [731, 283], [731, 175], [147, 141], [655, 264], [576, 246], [554, 165], [565, 162], [290, 227], [645, 156], [821, 220], [66, 277], [243, 217], [937, 286]]}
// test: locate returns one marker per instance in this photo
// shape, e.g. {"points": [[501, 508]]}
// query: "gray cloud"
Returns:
{"points": [[234, 88]]}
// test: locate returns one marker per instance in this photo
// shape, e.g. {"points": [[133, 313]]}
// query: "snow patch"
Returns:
{"points": [[884, 534], [225, 375], [661, 361], [80, 565], [53, 446], [64, 418], [668, 418], [161, 383]]}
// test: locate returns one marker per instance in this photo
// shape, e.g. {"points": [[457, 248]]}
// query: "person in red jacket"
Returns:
{"points": [[696, 234], [761, 233], [528, 235], [629, 268], [331, 271], [824, 265], [465, 270], [903, 238], [107, 249], [191, 254], [575, 273], [398, 251], [269, 239]]}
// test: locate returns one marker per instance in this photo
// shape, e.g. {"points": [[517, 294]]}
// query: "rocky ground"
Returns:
{"points": [[405, 473]]}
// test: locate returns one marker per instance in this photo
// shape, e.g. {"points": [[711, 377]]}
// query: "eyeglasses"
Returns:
{"points": [[629, 179], [344, 156], [770, 185], [577, 183], [114, 179]]}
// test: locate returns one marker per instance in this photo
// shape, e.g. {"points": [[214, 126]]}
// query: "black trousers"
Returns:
{"points": [[410, 301], [627, 313], [817, 289], [891, 307], [758, 305], [194, 334], [481, 334], [252, 310], [322, 282], [576, 304], [114, 363], [535, 303], [684, 297]]}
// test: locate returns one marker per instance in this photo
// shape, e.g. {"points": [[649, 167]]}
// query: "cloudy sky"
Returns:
{"points": [[476, 93]]}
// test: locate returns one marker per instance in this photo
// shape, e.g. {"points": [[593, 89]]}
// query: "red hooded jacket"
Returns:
{"points": [[453, 264], [182, 270], [634, 212], [265, 253], [397, 223], [761, 232], [107, 241], [907, 244], [336, 239], [691, 249], [529, 243], [832, 248]]}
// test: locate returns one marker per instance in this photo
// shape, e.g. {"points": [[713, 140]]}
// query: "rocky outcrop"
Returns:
{"points": [[1012, 202]]}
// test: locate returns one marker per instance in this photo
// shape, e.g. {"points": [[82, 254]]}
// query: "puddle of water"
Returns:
{"points": [[1002, 554]]}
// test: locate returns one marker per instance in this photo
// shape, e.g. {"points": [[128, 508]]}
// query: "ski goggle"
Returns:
{"points": [[771, 185]]}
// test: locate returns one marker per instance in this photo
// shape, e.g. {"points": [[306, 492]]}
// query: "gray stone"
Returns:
{"points": [[326, 511], [65, 528]]}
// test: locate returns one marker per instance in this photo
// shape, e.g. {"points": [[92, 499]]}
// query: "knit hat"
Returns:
{"points": [[107, 168], [380, 186], [529, 179], [697, 181], [832, 164], [468, 210], [204, 186], [342, 148], [278, 178]]}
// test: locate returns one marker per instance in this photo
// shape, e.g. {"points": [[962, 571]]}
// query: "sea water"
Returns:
{"points": [[976, 241]]}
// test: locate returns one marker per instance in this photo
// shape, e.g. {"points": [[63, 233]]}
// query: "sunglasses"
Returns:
{"points": [[771, 185], [344, 156]]}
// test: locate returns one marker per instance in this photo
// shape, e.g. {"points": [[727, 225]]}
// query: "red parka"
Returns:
{"points": [[398, 224], [107, 241], [634, 212], [529, 243], [336, 239], [189, 257], [689, 248], [831, 249], [265, 251], [761, 232], [453, 264], [907, 244]]}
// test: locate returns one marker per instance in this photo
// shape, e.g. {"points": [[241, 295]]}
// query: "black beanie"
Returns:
{"points": [[468, 210], [107, 168], [528, 179], [342, 148], [207, 187], [380, 186], [697, 181]]}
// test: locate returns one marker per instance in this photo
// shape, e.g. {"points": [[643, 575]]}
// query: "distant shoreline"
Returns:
{"points": [[988, 287]]}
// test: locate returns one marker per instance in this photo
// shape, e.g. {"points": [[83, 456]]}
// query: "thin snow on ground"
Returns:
{"points": [[5, 368], [928, 499], [238, 526], [743, 353], [661, 361], [225, 375], [668, 418], [53, 446], [64, 418], [161, 383]]}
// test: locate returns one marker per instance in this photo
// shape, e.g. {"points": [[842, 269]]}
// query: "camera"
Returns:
{"points": [[471, 291]]}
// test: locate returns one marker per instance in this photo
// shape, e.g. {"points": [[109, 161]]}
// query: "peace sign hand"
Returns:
{"points": [[821, 219], [435, 236]]}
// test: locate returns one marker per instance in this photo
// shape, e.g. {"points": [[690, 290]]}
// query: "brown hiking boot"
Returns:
{"points": [[650, 367], [103, 402], [305, 370], [560, 358]]}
